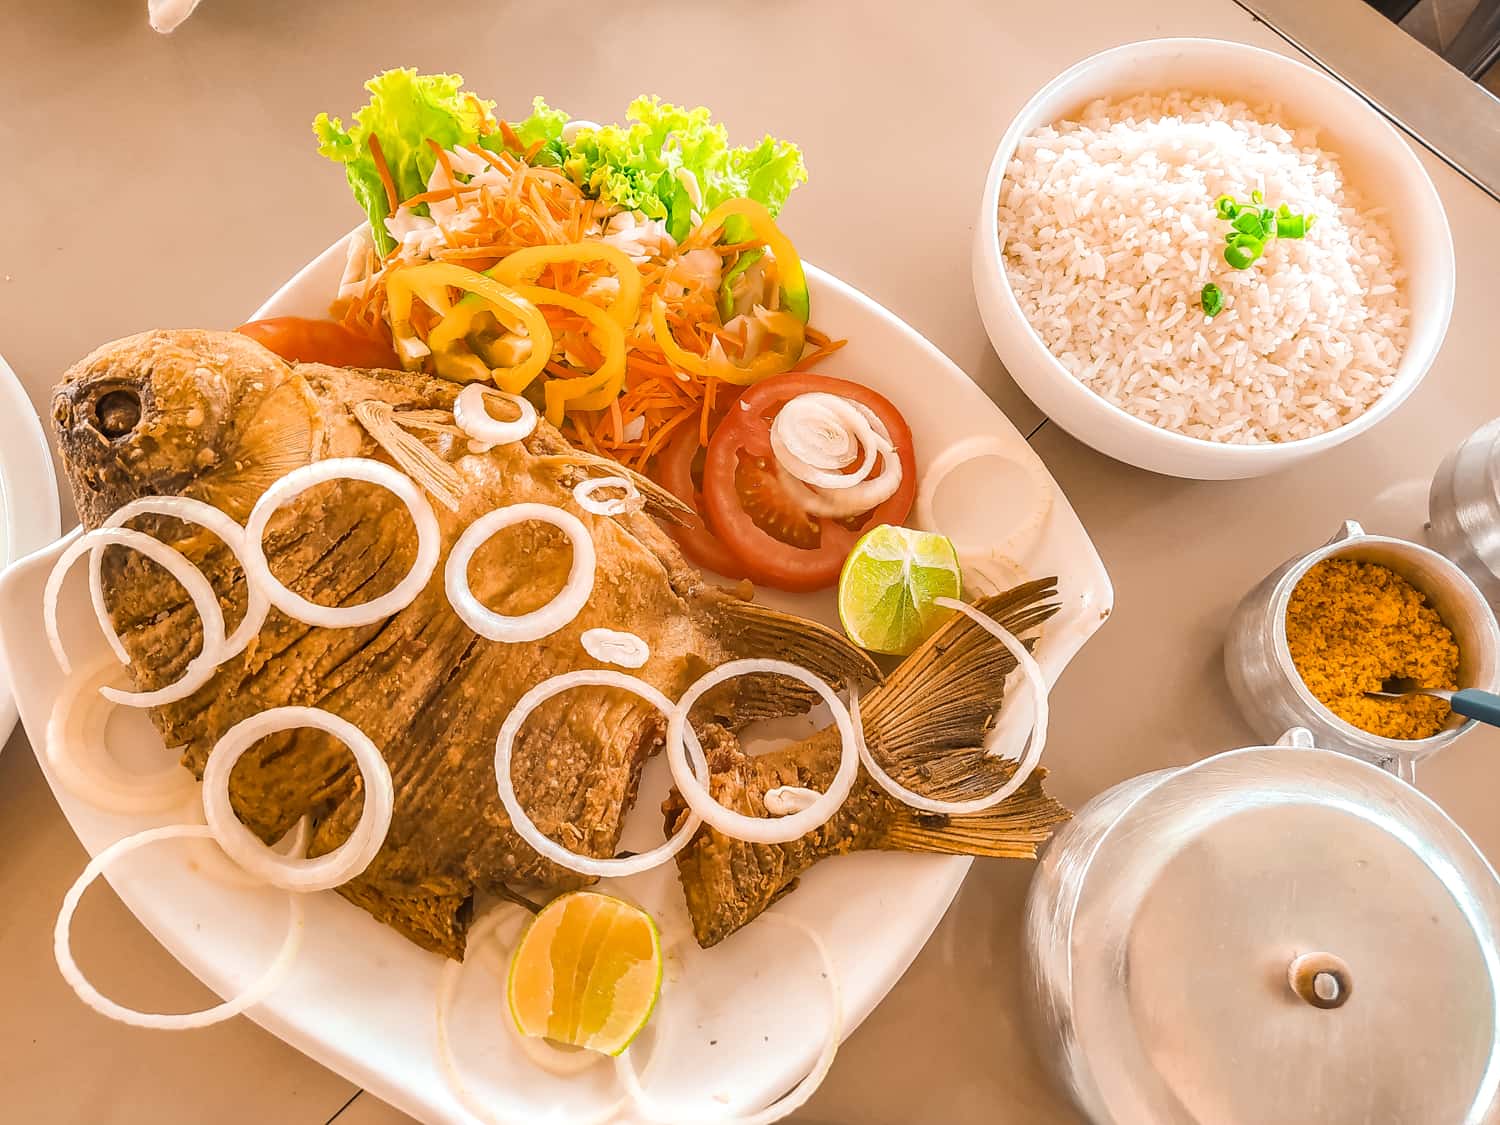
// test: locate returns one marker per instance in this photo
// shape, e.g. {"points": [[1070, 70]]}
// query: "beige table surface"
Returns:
{"points": [[152, 181]]}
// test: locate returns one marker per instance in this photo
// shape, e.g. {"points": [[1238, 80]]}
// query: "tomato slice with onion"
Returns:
{"points": [[677, 468], [751, 509], [302, 340]]}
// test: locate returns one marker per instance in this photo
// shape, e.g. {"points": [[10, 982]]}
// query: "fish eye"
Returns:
{"points": [[117, 412]]}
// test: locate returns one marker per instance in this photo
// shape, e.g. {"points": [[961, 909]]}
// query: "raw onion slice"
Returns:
{"points": [[448, 982], [80, 758], [62, 945], [245, 848], [1021, 538], [188, 510], [538, 623], [298, 481], [615, 647], [759, 830], [787, 799], [526, 828], [209, 859], [1034, 680], [631, 501], [795, 1098], [815, 437], [200, 669], [474, 418]]}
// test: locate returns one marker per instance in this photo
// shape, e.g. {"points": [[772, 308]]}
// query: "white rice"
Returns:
{"points": [[1109, 234]]}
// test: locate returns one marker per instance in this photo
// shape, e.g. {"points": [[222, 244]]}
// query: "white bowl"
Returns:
{"points": [[1379, 165]]}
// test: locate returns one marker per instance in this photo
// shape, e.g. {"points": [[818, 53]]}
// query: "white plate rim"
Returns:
{"points": [[32, 516], [943, 875]]}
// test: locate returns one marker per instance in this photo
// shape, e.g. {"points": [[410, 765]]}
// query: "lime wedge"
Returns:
{"points": [[586, 973], [889, 583]]}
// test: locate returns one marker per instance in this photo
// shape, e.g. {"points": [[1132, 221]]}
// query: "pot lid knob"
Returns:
{"points": [[1321, 979]]}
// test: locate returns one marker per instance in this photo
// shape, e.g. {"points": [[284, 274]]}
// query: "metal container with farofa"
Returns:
{"points": [[1271, 693]]}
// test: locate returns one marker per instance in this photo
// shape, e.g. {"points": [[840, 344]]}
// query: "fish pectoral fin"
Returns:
{"points": [[757, 632], [1013, 829], [660, 503], [389, 431]]}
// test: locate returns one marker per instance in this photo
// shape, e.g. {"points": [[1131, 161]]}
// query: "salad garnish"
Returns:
{"points": [[1254, 225]]}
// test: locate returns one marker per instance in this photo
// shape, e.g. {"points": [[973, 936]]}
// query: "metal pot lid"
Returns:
{"points": [[1286, 935]]}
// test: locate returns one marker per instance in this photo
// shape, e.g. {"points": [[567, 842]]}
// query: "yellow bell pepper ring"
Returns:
{"points": [[788, 333], [794, 295], [522, 266], [447, 342], [586, 392]]}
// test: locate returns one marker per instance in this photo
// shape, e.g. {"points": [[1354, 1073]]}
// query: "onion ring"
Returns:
{"points": [[188, 510], [448, 982], [298, 481], [973, 449], [62, 947], [816, 435], [526, 828], [795, 1098], [200, 669], [614, 647], [1029, 668], [584, 494], [538, 623], [759, 830], [472, 416], [245, 848], [78, 721], [209, 859]]}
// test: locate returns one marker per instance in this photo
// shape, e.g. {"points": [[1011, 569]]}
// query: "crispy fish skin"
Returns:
{"points": [[217, 417], [926, 726]]}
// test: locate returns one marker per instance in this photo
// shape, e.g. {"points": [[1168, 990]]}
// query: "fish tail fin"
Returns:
{"points": [[926, 726]]}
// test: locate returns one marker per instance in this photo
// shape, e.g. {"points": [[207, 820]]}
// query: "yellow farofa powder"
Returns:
{"points": [[1353, 625]]}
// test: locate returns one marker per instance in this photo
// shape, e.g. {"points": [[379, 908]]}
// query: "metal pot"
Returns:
{"points": [[1273, 936], [1464, 508], [1271, 694]]}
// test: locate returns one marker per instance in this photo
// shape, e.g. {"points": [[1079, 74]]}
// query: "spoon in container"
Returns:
{"points": [[1471, 703]]}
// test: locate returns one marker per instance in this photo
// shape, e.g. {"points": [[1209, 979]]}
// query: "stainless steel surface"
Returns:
{"points": [[1436, 693], [1464, 508], [1270, 692], [1196, 937], [1457, 119]]}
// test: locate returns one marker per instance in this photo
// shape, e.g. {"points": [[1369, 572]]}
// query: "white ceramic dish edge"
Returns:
{"points": [[29, 516]]}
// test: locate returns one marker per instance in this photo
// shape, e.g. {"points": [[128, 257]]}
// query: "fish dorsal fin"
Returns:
{"points": [[926, 724], [659, 502], [390, 431]]}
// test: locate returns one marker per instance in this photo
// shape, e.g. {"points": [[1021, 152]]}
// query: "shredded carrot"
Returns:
{"points": [[384, 171], [512, 140]]}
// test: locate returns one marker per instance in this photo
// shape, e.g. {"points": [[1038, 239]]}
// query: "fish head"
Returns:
{"points": [[212, 415]]}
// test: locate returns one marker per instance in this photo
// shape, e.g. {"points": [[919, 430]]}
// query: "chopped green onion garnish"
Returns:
{"points": [[1255, 225], [1243, 252], [1212, 299]]}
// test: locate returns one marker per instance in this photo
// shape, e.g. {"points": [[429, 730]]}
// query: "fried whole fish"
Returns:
{"points": [[926, 727], [217, 417]]}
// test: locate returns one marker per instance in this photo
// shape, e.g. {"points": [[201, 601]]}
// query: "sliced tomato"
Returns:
{"points": [[301, 340], [676, 468], [761, 520]]}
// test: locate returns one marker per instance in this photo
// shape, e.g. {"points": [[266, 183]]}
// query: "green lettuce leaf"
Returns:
{"points": [[637, 167], [406, 110], [546, 125]]}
